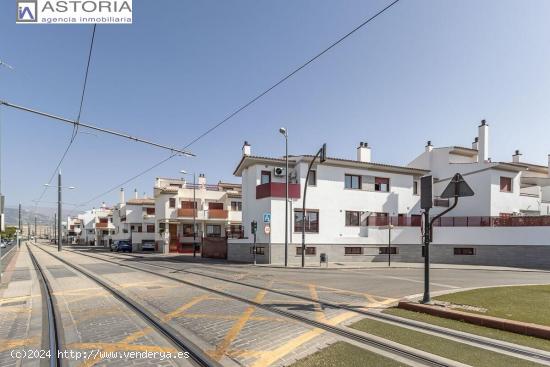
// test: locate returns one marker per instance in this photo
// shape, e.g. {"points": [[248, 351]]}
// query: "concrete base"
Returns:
{"points": [[530, 257]]}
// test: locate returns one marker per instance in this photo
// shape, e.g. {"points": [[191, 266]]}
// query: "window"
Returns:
{"points": [[464, 251], [353, 219], [150, 211], [236, 206], [311, 221], [260, 250], [309, 251], [353, 182], [172, 203], [312, 180], [214, 230], [187, 230], [150, 228], [353, 251], [415, 187], [381, 184], [188, 205], [265, 177], [505, 184], [384, 251], [139, 229]]}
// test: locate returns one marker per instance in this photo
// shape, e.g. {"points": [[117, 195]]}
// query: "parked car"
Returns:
{"points": [[2, 244], [148, 246], [121, 246]]}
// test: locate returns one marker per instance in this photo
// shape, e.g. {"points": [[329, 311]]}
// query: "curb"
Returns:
{"points": [[517, 327]]}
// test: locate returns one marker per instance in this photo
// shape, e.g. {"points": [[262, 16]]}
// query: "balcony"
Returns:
{"points": [[277, 190], [102, 225], [190, 213], [217, 214]]}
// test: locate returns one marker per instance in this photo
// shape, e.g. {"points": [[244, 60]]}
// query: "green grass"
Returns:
{"points": [[456, 351], [521, 303], [525, 340], [342, 354]]}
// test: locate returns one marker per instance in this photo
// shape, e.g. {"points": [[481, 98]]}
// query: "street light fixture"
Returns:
{"points": [[184, 172], [284, 132]]}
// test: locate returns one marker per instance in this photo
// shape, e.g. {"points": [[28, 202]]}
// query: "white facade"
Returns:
{"points": [[97, 226], [216, 212]]}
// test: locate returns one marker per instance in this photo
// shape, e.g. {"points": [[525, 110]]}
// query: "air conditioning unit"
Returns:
{"points": [[279, 172]]}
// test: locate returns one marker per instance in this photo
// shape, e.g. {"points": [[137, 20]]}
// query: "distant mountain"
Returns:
{"points": [[43, 215]]}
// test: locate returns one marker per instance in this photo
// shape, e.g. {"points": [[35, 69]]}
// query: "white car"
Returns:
{"points": [[2, 244]]}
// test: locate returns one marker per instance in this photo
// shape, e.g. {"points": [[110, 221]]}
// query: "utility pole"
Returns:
{"points": [[59, 229], [284, 132], [54, 227], [194, 217], [19, 229], [35, 231]]}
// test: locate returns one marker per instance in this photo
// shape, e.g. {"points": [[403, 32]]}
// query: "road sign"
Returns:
{"points": [[267, 229], [457, 188], [267, 217], [426, 196]]}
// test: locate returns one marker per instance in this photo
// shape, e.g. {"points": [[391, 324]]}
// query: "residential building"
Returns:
{"points": [[97, 226], [344, 198], [215, 209], [74, 230], [134, 220]]}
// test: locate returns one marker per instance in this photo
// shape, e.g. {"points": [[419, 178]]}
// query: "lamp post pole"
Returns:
{"points": [[283, 131], [194, 217], [59, 229]]}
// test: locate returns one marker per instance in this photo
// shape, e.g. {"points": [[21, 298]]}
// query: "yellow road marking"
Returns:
{"points": [[8, 344], [222, 348], [185, 307], [269, 357], [234, 317], [319, 314]]}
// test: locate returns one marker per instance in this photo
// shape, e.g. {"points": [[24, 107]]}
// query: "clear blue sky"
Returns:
{"points": [[424, 70]]}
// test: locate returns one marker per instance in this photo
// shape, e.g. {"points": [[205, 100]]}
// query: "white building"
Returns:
{"points": [[216, 210], [350, 202], [74, 230], [97, 226], [344, 198], [134, 220]]}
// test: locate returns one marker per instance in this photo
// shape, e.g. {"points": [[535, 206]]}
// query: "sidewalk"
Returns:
{"points": [[20, 309]]}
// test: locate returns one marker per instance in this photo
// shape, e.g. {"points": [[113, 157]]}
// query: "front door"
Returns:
{"points": [[174, 240]]}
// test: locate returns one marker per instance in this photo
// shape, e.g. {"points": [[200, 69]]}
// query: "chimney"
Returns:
{"points": [[363, 152], [429, 146], [121, 196], [135, 194], [475, 144], [202, 180], [515, 157], [246, 149], [483, 134]]}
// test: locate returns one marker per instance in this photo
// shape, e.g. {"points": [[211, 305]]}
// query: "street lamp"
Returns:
{"points": [[183, 172], [59, 227], [284, 132]]}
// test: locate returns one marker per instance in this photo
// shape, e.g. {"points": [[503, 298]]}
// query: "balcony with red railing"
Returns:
{"points": [[101, 225], [217, 214], [277, 190], [471, 221], [187, 212]]}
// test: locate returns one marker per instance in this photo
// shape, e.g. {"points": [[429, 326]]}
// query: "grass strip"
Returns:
{"points": [[341, 354], [446, 348], [528, 303], [506, 336]]}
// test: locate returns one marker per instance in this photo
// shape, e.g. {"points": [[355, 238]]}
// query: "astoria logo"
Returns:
{"points": [[74, 11]]}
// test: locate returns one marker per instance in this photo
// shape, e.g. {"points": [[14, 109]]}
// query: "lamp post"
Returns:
{"points": [[284, 132], [194, 213], [59, 208]]}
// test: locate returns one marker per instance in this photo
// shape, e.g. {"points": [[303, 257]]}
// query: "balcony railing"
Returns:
{"points": [[277, 190], [217, 214], [473, 221], [101, 225], [183, 212]]}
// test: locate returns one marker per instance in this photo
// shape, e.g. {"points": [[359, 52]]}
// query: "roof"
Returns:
{"points": [[469, 152], [531, 167], [330, 161], [142, 201]]}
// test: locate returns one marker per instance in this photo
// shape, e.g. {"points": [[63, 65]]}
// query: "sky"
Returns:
{"points": [[424, 70]]}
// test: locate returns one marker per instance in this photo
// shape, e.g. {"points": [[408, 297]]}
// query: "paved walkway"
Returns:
{"points": [[20, 310]]}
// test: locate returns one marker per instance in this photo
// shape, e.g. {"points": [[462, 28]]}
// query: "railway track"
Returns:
{"points": [[533, 354], [197, 355], [414, 356]]}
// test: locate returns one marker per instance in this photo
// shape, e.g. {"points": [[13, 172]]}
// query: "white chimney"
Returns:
{"points": [[475, 144], [246, 149], [121, 196], [202, 180], [429, 146], [363, 152], [135, 194], [483, 141], [516, 156]]}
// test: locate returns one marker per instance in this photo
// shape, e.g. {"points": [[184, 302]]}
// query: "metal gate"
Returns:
{"points": [[214, 247]]}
